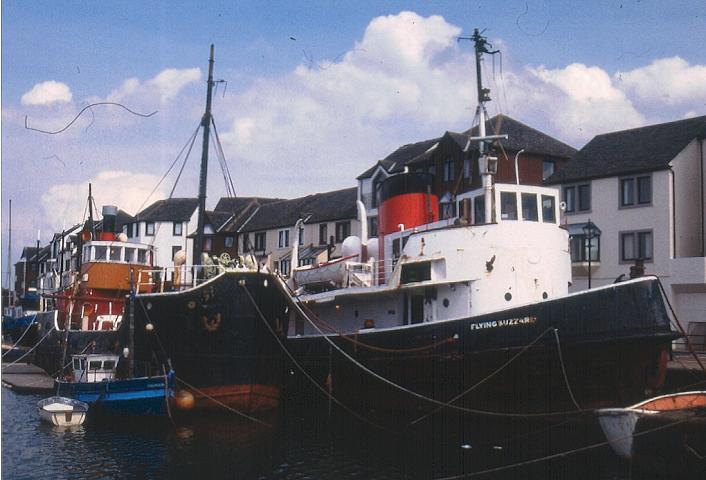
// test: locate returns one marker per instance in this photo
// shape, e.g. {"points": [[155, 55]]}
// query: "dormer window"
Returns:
{"points": [[149, 229], [448, 170], [178, 229]]}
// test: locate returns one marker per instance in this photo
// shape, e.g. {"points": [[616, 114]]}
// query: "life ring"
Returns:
{"points": [[211, 324]]}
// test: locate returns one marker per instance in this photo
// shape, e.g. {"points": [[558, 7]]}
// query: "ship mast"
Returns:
{"points": [[10, 286], [206, 124], [487, 164]]}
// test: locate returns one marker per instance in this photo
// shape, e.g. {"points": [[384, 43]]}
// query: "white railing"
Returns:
{"points": [[176, 278]]}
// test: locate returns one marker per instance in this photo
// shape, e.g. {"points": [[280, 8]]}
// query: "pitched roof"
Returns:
{"points": [[320, 207], [520, 136], [635, 150], [169, 210]]}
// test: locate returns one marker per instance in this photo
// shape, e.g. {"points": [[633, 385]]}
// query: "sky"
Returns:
{"points": [[312, 93]]}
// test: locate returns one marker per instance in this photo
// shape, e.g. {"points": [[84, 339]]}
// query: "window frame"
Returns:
{"points": [[545, 163], [229, 241], [283, 238], [574, 205], [343, 230], [323, 234], [148, 229], [174, 229], [636, 192], [448, 169], [583, 248], [260, 241], [635, 246]]}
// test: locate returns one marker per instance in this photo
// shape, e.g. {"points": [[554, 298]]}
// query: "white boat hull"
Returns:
{"points": [[62, 412]]}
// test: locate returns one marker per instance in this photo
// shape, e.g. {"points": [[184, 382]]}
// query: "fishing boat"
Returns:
{"points": [[94, 382], [472, 313], [225, 354], [669, 430], [62, 411]]}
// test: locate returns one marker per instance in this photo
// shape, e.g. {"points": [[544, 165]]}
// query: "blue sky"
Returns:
{"points": [[316, 91]]}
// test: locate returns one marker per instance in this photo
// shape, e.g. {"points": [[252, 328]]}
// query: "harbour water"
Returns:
{"points": [[302, 444]]}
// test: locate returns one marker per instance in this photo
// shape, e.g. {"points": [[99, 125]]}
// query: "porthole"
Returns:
{"points": [[446, 302], [508, 296], [545, 295]]}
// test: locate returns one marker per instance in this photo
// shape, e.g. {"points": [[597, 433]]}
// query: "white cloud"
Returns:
{"points": [[46, 93], [126, 190], [670, 81], [579, 101], [166, 85]]}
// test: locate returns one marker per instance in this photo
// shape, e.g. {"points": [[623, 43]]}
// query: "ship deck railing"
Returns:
{"points": [[169, 279]]}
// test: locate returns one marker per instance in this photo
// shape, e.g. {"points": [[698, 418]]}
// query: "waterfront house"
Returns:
{"points": [[454, 163], [328, 217], [643, 189], [165, 225]]}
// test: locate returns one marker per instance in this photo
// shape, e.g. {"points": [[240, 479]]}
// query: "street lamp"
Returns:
{"points": [[590, 231]]}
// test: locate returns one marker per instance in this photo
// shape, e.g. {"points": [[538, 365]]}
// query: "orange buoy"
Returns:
{"points": [[184, 400]]}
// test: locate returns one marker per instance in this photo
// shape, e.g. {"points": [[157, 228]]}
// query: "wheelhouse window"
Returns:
{"points": [[323, 234], [548, 209], [177, 229], [100, 252], [283, 238], [343, 230], [479, 210], [635, 191], [115, 254], [547, 169], [577, 197], [142, 256], [448, 210], [636, 245], [508, 205], [149, 229], [529, 207], [129, 255], [260, 241]]}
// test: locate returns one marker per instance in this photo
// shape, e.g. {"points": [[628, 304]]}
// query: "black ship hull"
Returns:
{"points": [[222, 344], [604, 347]]}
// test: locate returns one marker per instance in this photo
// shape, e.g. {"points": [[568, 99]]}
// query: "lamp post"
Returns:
{"points": [[590, 231]]}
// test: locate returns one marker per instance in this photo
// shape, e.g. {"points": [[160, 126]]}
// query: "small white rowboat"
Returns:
{"points": [[62, 411]]}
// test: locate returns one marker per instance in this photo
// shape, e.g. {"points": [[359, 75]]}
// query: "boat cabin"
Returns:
{"points": [[94, 367]]}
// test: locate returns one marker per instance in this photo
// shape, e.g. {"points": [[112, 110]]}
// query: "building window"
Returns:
{"points": [[323, 234], [529, 207], [229, 241], [207, 244], [636, 245], [578, 246], [177, 229], [175, 249], [547, 169], [448, 170], [301, 235], [149, 229], [376, 189], [283, 238], [467, 172], [260, 241], [372, 227], [635, 191], [577, 198], [508, 205], [432, 169], [343, 230], [246, 242], [284, 266]]}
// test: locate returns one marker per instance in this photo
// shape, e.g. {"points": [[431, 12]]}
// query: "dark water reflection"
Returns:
{"points": [[304, 444]]}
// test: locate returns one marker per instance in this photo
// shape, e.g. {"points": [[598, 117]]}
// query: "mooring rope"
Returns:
{"points": [[31, 349], [419, 396], [227, 407], [492, 374], [21, 336], [305, 373], [563, 369]]}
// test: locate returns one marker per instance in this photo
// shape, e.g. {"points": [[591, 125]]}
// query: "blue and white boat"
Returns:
{"points": [[95, 382]]}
